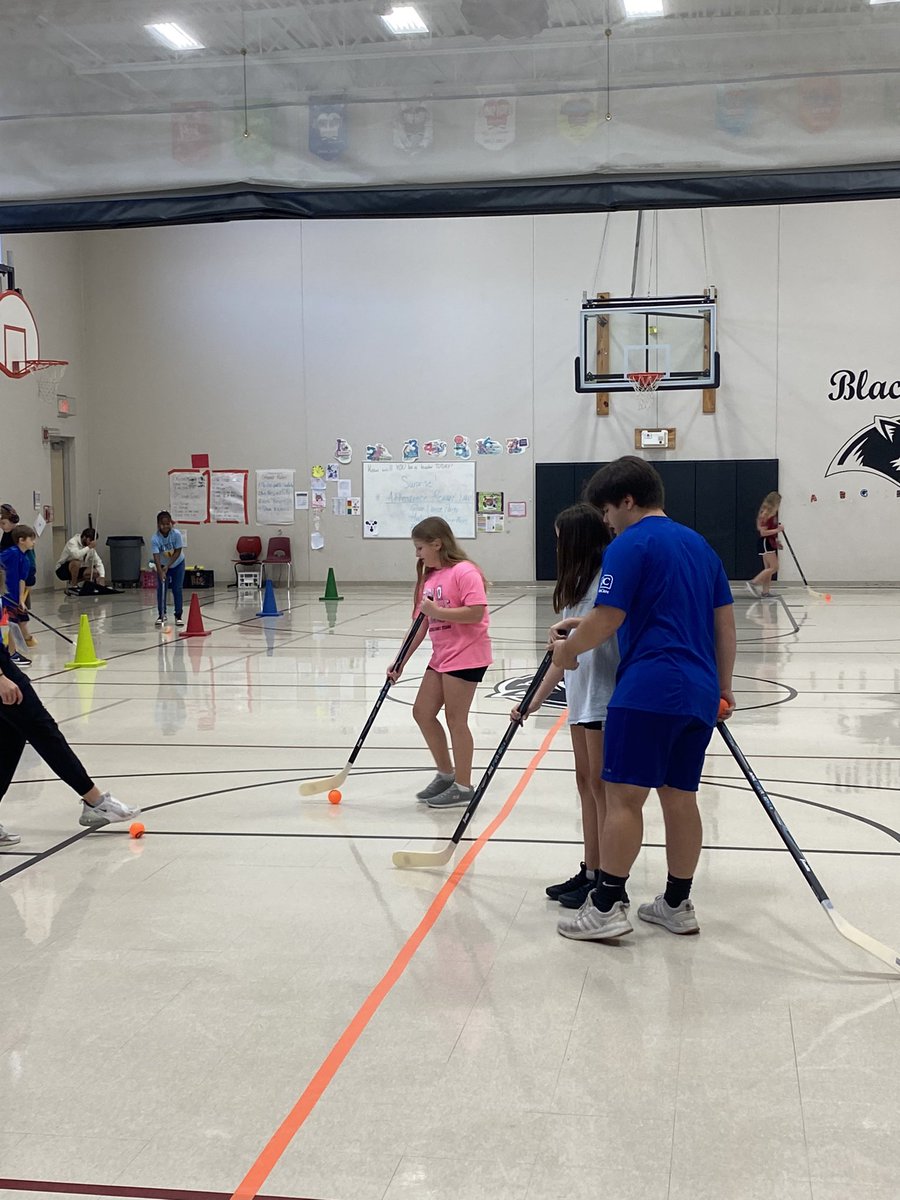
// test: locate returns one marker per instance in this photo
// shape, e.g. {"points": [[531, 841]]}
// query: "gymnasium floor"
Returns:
{"points": [[168, 1003]]}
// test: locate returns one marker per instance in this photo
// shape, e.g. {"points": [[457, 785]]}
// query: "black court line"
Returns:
{"points": [[93, 711], [139, 1193], [499, 841]]}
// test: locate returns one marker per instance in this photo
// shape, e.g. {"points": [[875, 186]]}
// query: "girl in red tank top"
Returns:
{"points": [[767, 528]]}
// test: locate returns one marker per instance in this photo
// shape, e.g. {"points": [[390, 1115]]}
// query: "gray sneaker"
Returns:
{"points": [[677, 920], [106, 810], [589, 924], [8, 838], [452, 797], [439, 784]]}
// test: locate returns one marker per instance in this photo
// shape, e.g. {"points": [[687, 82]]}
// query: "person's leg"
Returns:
{"points": [[684, 831], [429, 702], [583, 742], [764, 579], [74, 571], [176, 576], [458, 697], [593, 739]]}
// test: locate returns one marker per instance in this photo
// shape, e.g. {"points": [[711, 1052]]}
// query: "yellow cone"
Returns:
{"points": [[85, 654]]}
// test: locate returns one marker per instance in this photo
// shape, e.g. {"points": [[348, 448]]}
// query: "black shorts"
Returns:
{"points": [[62, 572], [598, 725], [469, 674]]}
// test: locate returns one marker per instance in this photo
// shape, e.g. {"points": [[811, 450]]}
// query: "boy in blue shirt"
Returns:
{"points": [[663, 591], [168, 554], [17, 564]]}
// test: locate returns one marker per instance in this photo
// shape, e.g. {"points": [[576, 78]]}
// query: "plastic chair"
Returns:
{"points": [[278, 554], [246, 545]]}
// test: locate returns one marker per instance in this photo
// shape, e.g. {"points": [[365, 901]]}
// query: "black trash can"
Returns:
{"points": [[125, 555]]}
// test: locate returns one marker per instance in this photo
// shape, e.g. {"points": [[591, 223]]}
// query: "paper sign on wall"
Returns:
{"points": [[189, 496], [274, 497], [228, 497]]}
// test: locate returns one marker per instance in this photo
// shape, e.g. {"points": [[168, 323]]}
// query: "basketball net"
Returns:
{"points": [[49, 373], [645, 383]]}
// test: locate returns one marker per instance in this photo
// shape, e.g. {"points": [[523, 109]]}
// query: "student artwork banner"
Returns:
{"points": [[228, 497], [189, 496], [274, 497]]}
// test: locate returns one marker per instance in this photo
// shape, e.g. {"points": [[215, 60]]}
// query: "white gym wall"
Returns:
{"points": [[261, 343]]}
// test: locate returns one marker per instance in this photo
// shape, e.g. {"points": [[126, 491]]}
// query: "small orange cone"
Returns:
{"points": [[85, 654], [195, 620], [4, 627]]}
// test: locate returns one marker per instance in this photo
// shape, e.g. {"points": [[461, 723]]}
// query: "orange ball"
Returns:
{"points": [[723, 708], [334, 796], [827, 596], [137, 829]]}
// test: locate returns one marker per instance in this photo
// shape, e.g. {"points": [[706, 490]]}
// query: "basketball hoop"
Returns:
{"points": [[49, 372], [645, 383]]}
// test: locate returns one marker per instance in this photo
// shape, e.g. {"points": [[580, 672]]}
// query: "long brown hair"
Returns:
{"points": [[436, 529], [581, 538], [770, 505]]}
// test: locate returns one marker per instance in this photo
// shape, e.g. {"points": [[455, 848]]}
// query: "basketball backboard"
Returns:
{"points": [[672, 335], [18, 334]]}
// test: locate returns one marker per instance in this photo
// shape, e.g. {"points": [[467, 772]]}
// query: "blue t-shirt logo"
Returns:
{"points": [[606, 582]]}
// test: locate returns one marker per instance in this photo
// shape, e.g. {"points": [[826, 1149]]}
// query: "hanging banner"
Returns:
{"points": [[413, 127], [328, 130], [577, 118], [495, 123]]}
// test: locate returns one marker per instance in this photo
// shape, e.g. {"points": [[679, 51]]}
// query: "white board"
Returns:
{"points": [[397, 495]]}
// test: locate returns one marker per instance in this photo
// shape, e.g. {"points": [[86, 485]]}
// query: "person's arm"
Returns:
{"points": [[551, 680], [10, 692], [394, 674], [726, 650], [469, 614], [597, 627]]}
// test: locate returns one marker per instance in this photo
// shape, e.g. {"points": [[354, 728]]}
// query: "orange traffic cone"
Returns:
{"points": [[85, 654], [195, 620]]}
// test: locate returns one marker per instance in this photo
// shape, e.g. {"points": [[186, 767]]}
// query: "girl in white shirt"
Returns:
{"points": [[581, 538]]}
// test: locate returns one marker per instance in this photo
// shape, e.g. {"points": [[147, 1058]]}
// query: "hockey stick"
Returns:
{"points": [[844, 928], [812, 591], [313, 787], [437, 858], [10, 603]]}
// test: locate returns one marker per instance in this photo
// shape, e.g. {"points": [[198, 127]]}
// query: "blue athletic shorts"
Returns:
{"points": [[652, 750]]}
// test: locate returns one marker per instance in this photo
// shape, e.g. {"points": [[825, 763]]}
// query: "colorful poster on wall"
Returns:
{"points": [[189, 496], [228, 497], [495, 123], [577, 118], [489, 502], [275, 497], [413, 127]]}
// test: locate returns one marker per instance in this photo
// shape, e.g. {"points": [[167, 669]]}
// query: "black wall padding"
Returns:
{"points": [[718, 499], [585, 193]]}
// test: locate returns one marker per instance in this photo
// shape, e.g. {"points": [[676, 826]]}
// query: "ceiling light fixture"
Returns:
{"points": [[174, 36], [404, 19], [643, 8]]}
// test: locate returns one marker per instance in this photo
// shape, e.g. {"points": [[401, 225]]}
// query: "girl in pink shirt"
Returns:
{"points": [[450, 591]]}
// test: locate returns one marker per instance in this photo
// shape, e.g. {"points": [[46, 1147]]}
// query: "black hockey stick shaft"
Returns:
{"points": [[398, 661], [13, 604], [787, 542], [773, 814], [492, 766]]}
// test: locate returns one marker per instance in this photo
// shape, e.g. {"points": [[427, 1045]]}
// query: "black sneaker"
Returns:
{"points": [[577, 896], [20, 660], [557, 889]]}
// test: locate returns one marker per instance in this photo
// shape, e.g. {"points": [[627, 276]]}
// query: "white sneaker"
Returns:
{"points": [[589, 924], [682, 919], [159, 622], [106, 810], [179, 622], [7, 838], [753, 589]]}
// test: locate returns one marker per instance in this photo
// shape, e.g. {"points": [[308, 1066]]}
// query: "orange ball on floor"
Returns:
{"points": [[334, 796], [136, 830]]}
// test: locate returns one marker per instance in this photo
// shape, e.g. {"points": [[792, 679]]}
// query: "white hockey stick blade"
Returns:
{"points": [[407, 859], [313, 787], [852, 934]]}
